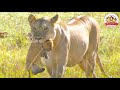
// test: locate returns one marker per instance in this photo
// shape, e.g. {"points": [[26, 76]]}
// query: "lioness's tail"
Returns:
{"points": [[100, 65]]}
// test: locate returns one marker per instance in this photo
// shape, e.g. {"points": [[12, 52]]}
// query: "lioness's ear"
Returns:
{"points": [[54, 19], [31, 19]]}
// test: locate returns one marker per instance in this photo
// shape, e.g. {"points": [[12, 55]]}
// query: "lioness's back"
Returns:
{"points": [[83, 37]]}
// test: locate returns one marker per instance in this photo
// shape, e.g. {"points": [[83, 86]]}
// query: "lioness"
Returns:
{"points": [[75, 42]]}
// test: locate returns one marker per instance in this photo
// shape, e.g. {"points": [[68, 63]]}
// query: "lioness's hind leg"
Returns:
{"points": [[88, 68], [90, 65]]}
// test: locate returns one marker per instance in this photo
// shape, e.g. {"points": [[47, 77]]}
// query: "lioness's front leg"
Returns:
{"points": [[60, 63]]}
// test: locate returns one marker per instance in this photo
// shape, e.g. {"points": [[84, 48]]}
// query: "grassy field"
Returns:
{"points": [[13, 49]]}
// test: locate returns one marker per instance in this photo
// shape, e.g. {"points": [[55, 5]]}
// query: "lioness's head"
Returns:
{"points": [[42, 29]]}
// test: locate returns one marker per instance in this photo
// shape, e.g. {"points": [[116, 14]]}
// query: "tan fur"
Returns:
{"points": [[74, 43]]}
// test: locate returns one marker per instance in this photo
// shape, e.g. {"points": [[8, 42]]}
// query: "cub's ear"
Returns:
{"points": [[31, 19], [54, 19]]}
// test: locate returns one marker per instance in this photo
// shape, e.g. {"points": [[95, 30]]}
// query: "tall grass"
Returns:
{"points": [[13, 49]]}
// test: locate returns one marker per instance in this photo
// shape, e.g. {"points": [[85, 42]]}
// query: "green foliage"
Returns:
{"points": [[13, 49]]}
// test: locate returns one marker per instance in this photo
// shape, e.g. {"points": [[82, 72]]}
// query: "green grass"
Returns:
{"points": [[13, 49]]}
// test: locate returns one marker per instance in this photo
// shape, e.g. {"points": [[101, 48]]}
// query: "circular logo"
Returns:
{"points": [[111, 20]]}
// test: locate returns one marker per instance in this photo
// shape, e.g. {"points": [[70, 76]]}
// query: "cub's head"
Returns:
{"points": [[42, 29], [3, 34]]}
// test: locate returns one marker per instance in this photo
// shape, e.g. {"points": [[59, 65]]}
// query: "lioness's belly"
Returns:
{"points": [[79, 41]]}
